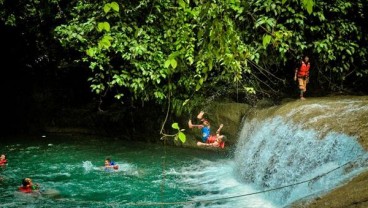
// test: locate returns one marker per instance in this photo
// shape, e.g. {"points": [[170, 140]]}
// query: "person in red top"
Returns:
{"points": [[28, 186], [3, 160], [217, 140], [302, 74]]}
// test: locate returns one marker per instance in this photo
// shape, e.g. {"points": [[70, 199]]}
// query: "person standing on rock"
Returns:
{"points": [[302, 75]]}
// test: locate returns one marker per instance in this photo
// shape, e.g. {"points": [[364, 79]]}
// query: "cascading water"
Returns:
{"points": [[277, 152]]}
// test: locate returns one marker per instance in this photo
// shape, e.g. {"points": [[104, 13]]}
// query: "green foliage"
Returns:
{"points": [[189, 50], [113, 5], [103, 26], [180, 135], [154, 49]]}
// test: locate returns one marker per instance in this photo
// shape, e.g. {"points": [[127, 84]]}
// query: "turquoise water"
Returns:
{"points": [[68, 168]]}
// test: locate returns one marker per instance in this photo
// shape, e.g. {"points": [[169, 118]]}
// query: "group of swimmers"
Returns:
{"points": [[28, 186], [208, 140]]}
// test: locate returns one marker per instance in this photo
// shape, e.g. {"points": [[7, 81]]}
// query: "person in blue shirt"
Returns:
{"points": [[205, 126], [110, 165]]}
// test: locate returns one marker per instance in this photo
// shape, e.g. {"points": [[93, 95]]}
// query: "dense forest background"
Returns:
{"points": [[175, 54]]}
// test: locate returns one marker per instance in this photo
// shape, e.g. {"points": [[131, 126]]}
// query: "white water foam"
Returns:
{"points": [[215, 181], [274, 153]]}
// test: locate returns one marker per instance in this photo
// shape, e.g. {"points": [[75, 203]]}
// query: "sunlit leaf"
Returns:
{"points": [[266, 40], [185, 102], [107, 8], [115, 6], [175, 126], [182, 137], [173, 63], [167, 63], [181, 3]]}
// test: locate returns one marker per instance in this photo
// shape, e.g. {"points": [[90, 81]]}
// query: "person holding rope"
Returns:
{"points": [[302, 74], [217, 140]]}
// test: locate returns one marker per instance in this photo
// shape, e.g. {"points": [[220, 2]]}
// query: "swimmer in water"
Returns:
{"points": [[3, 160], [110, 165], [28, 186]]}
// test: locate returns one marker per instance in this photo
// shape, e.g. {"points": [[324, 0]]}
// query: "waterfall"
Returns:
{"points": [[278, 151]]}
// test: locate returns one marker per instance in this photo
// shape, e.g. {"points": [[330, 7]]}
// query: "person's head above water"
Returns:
{"points": [[26, 182], [107, 161], [2, 157]]}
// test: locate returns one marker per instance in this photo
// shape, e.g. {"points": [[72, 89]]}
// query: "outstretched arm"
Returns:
{"points": [[200, 115], [219, 129], [296, 71], [191, 125]]}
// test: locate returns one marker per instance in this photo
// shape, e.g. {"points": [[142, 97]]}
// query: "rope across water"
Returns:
{"points": [[231, 197], [239, 196]]}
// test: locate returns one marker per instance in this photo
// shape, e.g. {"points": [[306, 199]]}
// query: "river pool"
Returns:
{"points": [[69, 171]]}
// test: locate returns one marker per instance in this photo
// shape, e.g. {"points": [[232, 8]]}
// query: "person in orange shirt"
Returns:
{"points": [[302, 75]]}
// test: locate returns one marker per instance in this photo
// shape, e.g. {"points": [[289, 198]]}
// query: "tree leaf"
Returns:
{"points": [[185, 102], [115, 6], [103, 26], [107, 8], [104, 43], [266, 40], [198, 87], [175, 126], [181, 3], [167, 63], [91, 52], [100, 26], [310, 6], [182, 137], [106, 26], [173, 63]]}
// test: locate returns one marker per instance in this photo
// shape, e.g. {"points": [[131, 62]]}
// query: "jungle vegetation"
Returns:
{"points": [[185, 52]]}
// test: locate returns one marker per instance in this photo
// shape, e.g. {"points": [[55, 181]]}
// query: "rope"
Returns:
{"points": [[238, 196]]}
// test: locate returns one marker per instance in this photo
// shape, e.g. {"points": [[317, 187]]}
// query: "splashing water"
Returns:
{"points": [[273, 153], [88, 166]]}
